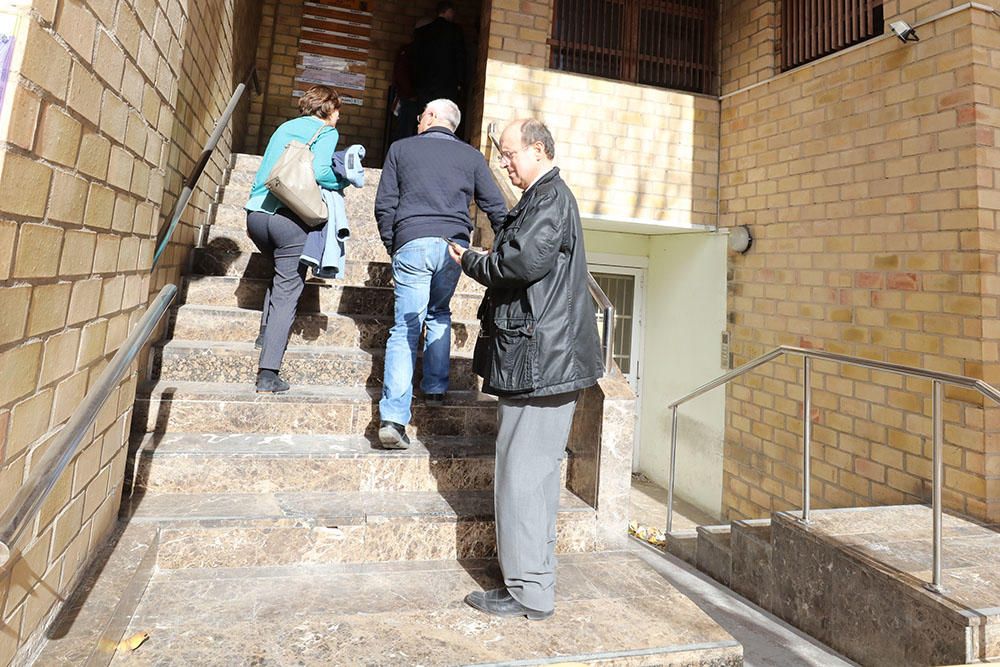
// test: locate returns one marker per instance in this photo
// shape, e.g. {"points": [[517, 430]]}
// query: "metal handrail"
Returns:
{"points": [[608, 325], [206, 155], [938, 378], [46, 471]]}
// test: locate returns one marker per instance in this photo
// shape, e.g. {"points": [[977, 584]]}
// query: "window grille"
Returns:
{"points": [[811, 29], [669, 44]]}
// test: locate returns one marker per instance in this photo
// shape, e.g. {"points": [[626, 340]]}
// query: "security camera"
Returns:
{"points": [[904, 31]]}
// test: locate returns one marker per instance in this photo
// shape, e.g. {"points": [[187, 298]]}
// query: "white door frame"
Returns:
{"points": [[629, 265]]}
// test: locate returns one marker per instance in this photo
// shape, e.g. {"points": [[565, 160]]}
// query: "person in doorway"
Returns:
{"points": [[427, 184], [538, 348], [280, 235], [406, 106], [438, 57]]}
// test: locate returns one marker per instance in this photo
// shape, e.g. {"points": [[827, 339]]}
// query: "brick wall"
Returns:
{"points": [[868, 180], [750, 30], [626, 151], [392, 26], [106, 108]]}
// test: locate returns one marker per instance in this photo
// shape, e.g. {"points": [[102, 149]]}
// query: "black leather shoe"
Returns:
{"points": [[434, 400], [392, 435], [499, 602], [268, 382]]}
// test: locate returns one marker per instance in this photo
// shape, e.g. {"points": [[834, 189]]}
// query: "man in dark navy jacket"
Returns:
{"points": [[428, 182]]}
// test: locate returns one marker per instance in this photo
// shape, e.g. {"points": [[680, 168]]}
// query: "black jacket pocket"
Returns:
{"points": [[514, 362]]}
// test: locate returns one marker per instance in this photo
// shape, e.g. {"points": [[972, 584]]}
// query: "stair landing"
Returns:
{"points": [[611, 609]]}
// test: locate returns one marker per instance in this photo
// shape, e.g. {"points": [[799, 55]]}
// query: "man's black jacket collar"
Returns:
{"points": [[549, 175]]}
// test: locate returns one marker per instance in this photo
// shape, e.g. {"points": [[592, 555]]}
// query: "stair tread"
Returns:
{"points": [[330, 508], [215, 391], [245, 347], [237, 445], [313, 282], [196, 309]]}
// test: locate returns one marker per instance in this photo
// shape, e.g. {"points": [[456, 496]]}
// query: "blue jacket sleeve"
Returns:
{"points": [[323, 149], [387, 200], [489, 199], [530, 254]]}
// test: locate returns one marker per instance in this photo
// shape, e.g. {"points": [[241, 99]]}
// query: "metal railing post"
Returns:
{"points": [[937, 479], [673, 468], [806, 435]]}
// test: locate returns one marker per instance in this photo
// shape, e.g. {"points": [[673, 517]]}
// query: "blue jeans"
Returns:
{"points": [[425, 278]]}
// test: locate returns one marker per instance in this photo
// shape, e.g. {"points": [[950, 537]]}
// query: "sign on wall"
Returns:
{"points": [[6, 53], [333, 47]]}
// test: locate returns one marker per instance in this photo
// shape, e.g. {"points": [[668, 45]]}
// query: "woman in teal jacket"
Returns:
{"points": [[279, 234]]}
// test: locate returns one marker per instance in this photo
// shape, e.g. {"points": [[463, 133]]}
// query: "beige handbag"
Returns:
{"points": [[293, 181]]}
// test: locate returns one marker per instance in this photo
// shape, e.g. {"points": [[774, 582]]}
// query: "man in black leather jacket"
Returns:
{"points": [[538, 347]]}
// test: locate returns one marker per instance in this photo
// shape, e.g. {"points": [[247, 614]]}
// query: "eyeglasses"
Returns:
{"points": [[420, 116], [507, 156]]}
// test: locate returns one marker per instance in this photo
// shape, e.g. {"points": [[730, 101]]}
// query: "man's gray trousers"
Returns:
{"points": [[531, 442]]}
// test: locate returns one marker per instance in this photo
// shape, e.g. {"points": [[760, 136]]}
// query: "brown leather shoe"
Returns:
{"points": [[499, 602]]}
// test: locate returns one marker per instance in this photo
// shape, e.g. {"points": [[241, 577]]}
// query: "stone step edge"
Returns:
{"points": [[719, 653], [310, 282], [316, 393], [570, 505], [195, 309], [177, 345], [904, 582], [348, 262], [479, 447]]}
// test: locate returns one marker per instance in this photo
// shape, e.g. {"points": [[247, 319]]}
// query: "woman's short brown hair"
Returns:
{"points": [[319, 101]]}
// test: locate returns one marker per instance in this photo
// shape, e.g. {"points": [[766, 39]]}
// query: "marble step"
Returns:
{"points": [[228, 361], [246, 162], [358, 203], [317, 297], [188, 407], [714, 554], [219, 323], [266, 529], [230, 216], [249, 463], [856, 580], [243, 176], [215, 260], [610, 610], [752, 571], [244, 168], [367, 247]]}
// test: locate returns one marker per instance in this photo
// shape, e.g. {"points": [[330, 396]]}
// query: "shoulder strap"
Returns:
{"points": [[316, 136]]}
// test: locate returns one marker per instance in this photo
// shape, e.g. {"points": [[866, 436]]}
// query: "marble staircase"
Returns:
{"points": [[856, 580], [273, 529]]}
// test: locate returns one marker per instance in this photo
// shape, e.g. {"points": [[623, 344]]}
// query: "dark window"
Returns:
{"points": [[811, 29], [654, 42]]}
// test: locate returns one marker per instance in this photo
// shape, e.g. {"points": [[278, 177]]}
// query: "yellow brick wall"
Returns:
{"points": [[106, 109], [750, 30], [626, 151], [392, 26], [867, 179]]}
